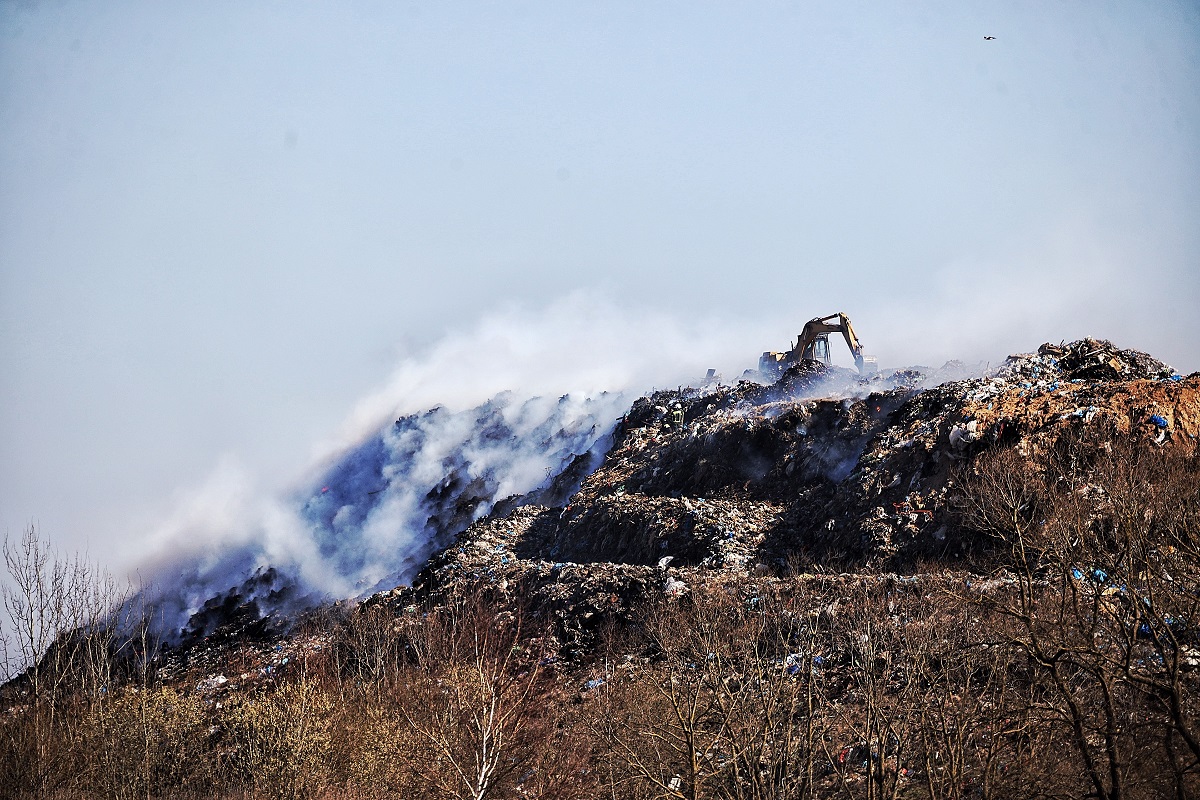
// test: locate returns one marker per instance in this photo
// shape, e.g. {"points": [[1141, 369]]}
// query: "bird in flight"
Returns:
{"points": [[989, 38]]}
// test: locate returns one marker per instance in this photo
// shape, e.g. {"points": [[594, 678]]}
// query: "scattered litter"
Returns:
{"points": [[211, 682], [674, 587], [824, 461]]}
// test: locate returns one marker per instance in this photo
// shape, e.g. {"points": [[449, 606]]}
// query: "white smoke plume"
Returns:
{"points": [[577, 345], [486, 413]]}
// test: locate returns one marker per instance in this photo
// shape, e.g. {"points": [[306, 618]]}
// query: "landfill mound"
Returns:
{"points": [[820, 469], [718, 482]]}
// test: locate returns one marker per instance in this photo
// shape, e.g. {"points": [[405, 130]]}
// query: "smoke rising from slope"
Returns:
{"points": [[579, 344], [493, 412]]}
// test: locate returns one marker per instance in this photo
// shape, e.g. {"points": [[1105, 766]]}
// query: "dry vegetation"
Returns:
{"points": [[1069, 668]]}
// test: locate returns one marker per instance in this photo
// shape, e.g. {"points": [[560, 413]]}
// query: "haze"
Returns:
{"points": [[224, 225]]}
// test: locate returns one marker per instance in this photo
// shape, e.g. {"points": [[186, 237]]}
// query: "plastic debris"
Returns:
{"points": [[674, 587]]}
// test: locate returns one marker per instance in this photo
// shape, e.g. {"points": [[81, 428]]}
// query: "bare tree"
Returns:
{"points": [[481, 698], [1103, 601], [61, 638], [727, 698]]}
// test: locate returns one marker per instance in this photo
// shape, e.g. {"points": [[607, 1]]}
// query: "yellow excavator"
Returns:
{"points": [[813, 345]]}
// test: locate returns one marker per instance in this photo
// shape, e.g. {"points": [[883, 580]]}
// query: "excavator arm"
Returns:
{"points": [[826, 325], [815, 330], [852, 342]]}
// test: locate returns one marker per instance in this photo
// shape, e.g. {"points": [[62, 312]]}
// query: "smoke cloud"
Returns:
{"points": [[494, 411], [491, 411]]}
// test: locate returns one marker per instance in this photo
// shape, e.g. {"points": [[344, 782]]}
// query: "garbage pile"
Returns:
{"points": [[721, 481], [244, 612], [217, 667], [708, 485]]}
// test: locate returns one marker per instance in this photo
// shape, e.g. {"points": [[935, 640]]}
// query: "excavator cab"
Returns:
{"points": [[813, 345], [819, 350]]}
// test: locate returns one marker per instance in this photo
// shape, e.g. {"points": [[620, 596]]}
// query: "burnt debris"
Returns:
{"points": [[821, 469]]}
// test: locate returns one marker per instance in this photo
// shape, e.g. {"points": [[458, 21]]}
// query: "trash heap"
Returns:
{"points": [[703, 486], [217, 668], [822, 466]]}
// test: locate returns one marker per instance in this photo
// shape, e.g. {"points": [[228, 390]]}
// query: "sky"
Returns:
{"points": [[244, 232]]}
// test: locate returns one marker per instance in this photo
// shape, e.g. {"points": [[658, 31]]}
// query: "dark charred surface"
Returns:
{"points": [[236, 614], [702, 485], [730, 479]]}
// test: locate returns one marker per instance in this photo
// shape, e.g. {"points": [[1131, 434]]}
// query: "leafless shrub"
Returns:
{"points": [[1106, 613], [154, 742], [368, 649], [60, 637], [279, 742], [722, 696], [486, 707]]}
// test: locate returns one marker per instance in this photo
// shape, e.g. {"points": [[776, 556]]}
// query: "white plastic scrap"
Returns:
{"points": [[674, 587], [963, 435]]}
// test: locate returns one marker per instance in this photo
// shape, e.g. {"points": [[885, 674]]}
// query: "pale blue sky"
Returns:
{"points": [[223, 223]]}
